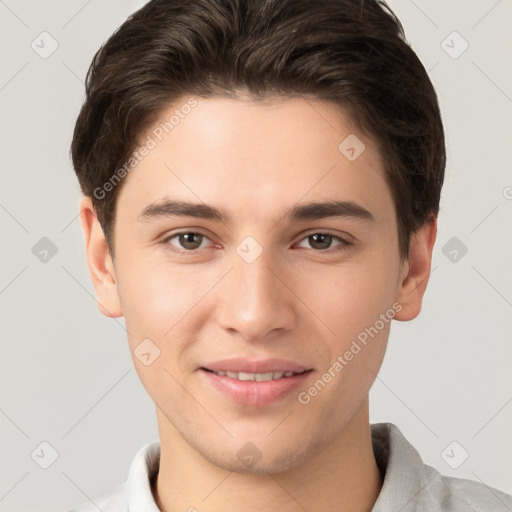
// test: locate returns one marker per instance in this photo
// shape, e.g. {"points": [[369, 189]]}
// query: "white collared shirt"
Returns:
{"points": [[409, 484]]}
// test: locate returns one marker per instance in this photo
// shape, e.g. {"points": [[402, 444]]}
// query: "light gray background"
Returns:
{"points": [[67, 376]]}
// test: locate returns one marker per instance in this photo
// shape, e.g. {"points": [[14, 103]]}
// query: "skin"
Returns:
{"points": [[296, 301]]}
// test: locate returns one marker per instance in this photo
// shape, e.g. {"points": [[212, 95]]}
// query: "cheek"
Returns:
{"points": [[168, 306], [155, 305], [154, 298], [348, 298]]}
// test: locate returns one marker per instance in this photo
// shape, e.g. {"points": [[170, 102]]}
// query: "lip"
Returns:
{"points": [[254, 393], [238, 364]]}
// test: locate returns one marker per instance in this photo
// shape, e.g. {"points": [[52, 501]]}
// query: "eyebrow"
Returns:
{"points": [[310, 211]]}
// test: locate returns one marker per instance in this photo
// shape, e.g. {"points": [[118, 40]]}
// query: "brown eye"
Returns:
{"points": [[324, 241], [190, 240], [187, 241], [321, 241]]}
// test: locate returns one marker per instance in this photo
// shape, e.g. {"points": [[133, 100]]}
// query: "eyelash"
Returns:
{"points": [[345, 244]]}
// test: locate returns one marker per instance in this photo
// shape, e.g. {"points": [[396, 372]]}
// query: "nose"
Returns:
{"points": [[256, 300]]}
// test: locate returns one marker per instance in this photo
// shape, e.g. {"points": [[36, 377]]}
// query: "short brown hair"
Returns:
{"points": [[351, 52]]}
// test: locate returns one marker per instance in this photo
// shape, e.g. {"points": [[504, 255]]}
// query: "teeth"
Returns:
{"points": [[259, 377]]}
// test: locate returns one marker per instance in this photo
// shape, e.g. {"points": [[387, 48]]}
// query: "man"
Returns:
{"points": [[262, 182]]}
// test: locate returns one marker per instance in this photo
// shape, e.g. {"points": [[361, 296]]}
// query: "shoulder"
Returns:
{"points": [[113, 501], [460, 494], [410, 485], [134, 493]]}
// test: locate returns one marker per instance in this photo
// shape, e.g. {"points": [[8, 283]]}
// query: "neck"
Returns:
{"points": [[342, 476]]}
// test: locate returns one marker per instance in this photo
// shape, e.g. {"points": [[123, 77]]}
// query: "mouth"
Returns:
{"points": [[258, 377], [255, 389]]}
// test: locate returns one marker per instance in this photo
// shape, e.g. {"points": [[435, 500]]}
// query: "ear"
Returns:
{"points": [[99, 261], [416, 272]]}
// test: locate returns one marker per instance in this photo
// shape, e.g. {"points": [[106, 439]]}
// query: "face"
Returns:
{"points": [[256, 274]]}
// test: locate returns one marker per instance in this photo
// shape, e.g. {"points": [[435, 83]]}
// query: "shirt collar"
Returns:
{"points": [[405, 481], [405, 486], [143, 472]]}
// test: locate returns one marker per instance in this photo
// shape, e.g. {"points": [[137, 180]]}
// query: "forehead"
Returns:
{"points": [[255, 155]]}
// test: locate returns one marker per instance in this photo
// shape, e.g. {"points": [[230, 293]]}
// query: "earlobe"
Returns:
{"points": [[99, 261], [416, 272]]}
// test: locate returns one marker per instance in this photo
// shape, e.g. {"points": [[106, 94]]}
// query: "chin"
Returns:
{"points": [[257, 458]]}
